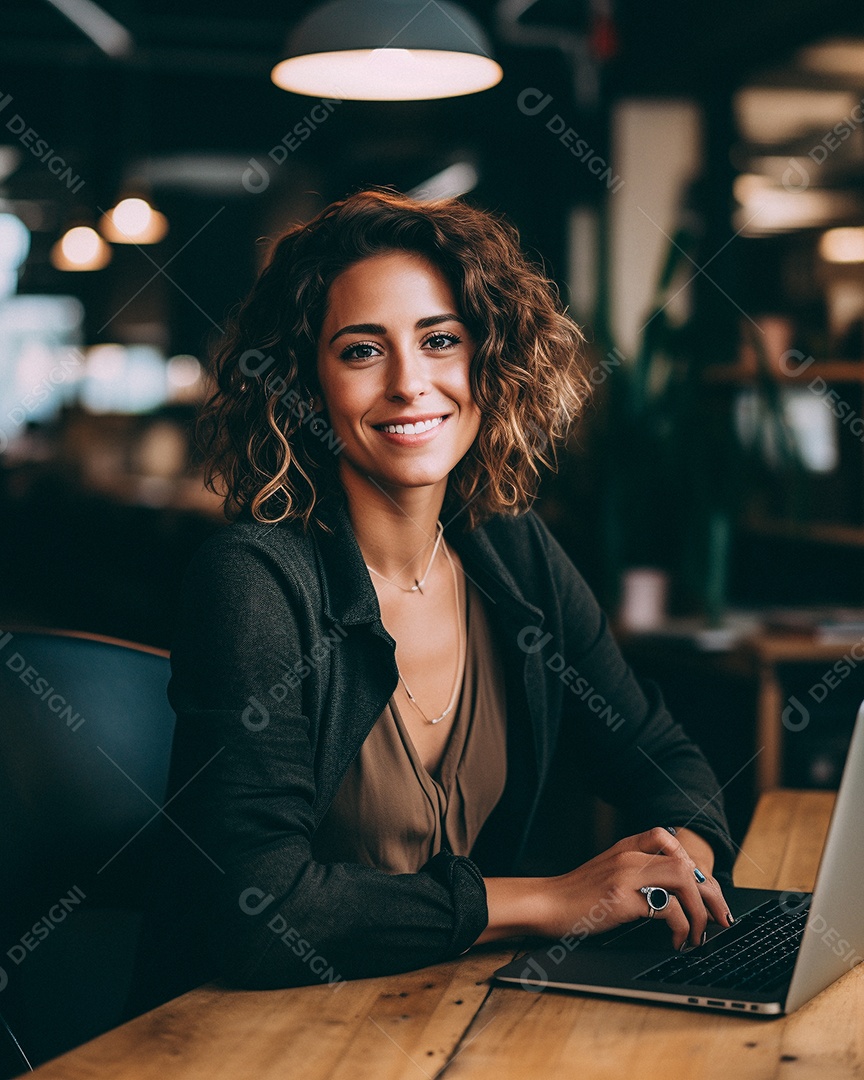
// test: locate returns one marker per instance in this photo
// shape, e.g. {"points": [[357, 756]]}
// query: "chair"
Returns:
{"points": [[85, 744]]}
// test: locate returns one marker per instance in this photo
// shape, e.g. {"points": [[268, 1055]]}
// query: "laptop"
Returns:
{"points": [[782, 949]]}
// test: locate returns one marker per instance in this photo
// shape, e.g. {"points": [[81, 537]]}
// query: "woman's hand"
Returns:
{"points": [[604, 892]]}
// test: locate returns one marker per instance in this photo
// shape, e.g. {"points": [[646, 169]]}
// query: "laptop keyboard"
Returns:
{"points": [[756, 953]]}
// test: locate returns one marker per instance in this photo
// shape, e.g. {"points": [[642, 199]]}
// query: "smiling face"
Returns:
{"points": [[394, 354]]}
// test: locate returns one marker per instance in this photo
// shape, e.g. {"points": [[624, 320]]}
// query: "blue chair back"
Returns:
{"points": [[85, 745]]}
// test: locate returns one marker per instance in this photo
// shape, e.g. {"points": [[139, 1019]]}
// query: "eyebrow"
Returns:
{"points": [[377, 328]]}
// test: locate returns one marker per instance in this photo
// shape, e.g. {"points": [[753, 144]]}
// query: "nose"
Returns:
{"points": [[408, 374]]}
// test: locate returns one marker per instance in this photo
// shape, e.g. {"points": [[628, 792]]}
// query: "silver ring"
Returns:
{"points": [[656, 897]]}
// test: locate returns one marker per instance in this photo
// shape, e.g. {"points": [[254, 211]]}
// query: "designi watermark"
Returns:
{"points": [[796, 176], [532, 102], [537, 973], [793, 902], [40, 686], [18, 414], [532, 639], [796, 715], [40, 148], [40, 930], [257, 177], [794, 363], [256, 715], [254, 901], [253, 362]]}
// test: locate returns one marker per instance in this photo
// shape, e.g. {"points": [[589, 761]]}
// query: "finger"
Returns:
{"points": [[674, 916], [676, 876], [660, 841], [715, 901], [657, 841], [690, 897], [709, 888]]}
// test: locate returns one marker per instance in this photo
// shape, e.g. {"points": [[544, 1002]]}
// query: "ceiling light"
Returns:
{"points": [[835, 56], [103, 30], [81, 248], [451, 182], [774, 210], [748, 186], [771, 116], [133, 221], [842, 246], [201, 172], [387, 50]]}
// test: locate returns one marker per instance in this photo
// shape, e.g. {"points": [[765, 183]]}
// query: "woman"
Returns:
{"points": [[374, 662]]}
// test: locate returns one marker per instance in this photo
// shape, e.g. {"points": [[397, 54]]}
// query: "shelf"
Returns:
{"points": [[815, 532], [832, 371]]}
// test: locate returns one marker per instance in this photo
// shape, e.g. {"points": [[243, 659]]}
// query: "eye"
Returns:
{"points": [[441, 340], [362, 350]]}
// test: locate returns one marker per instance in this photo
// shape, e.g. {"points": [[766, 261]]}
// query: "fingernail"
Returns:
{"points": [[684, 947], [700, 877], [704, 937], [672, 829], [729, 918]]}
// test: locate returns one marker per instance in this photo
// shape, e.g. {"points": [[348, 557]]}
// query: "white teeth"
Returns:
{"points": [[413, 429]]}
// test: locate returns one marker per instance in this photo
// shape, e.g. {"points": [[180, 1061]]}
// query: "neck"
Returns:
{"points": [[396, 531]]}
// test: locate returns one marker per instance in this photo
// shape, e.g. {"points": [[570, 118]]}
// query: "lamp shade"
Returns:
{"points": [[387, 50]]}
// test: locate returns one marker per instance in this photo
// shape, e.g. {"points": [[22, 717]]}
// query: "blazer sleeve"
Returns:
{"points": [[244, 787], [634, 755]]}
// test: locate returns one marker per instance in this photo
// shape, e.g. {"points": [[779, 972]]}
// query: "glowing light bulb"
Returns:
{"points": [[133, 221], [842, 245], [80, 245], [81, 248], [387, 74], [132, 216]]}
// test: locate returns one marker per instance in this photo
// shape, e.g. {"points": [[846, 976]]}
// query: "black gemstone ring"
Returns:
{"points": [[657, 898]]}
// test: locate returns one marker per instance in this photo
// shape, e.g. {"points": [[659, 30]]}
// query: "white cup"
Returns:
{"points": [[644, 593]]}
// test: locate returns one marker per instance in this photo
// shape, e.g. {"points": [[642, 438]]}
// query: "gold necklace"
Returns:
{"points": [[411, 698], [418, 585]]}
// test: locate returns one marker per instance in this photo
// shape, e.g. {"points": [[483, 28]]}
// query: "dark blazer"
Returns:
{"points": [[280, 667]]}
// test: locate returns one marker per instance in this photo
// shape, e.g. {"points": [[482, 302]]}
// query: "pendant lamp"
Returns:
{"points": [[387, 50], [133, 221], [80, 248]]}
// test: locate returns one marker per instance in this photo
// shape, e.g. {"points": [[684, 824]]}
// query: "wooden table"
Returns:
{"points": [[449, 1021]]}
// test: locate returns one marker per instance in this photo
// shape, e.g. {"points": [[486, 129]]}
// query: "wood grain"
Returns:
{"points": [[399, 1026], [449, 1021]]}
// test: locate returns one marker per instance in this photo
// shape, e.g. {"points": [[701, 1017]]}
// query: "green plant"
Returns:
{"points": [[677, 475]]}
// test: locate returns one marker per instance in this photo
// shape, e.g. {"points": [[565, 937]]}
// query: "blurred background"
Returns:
{"points": [[692, 178]]}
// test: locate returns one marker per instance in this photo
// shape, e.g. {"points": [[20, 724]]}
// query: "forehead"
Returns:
{"points": [[394, 281]]}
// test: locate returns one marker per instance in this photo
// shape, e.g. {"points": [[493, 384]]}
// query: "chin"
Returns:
{"points": [[413, 480], [419, 474]]}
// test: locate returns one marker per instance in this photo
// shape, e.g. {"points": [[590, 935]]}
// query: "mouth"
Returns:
{"points": [[411, 434], [415, 428]]}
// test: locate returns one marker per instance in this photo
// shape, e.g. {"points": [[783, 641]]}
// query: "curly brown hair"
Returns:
{"points": [[261, 439]]}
